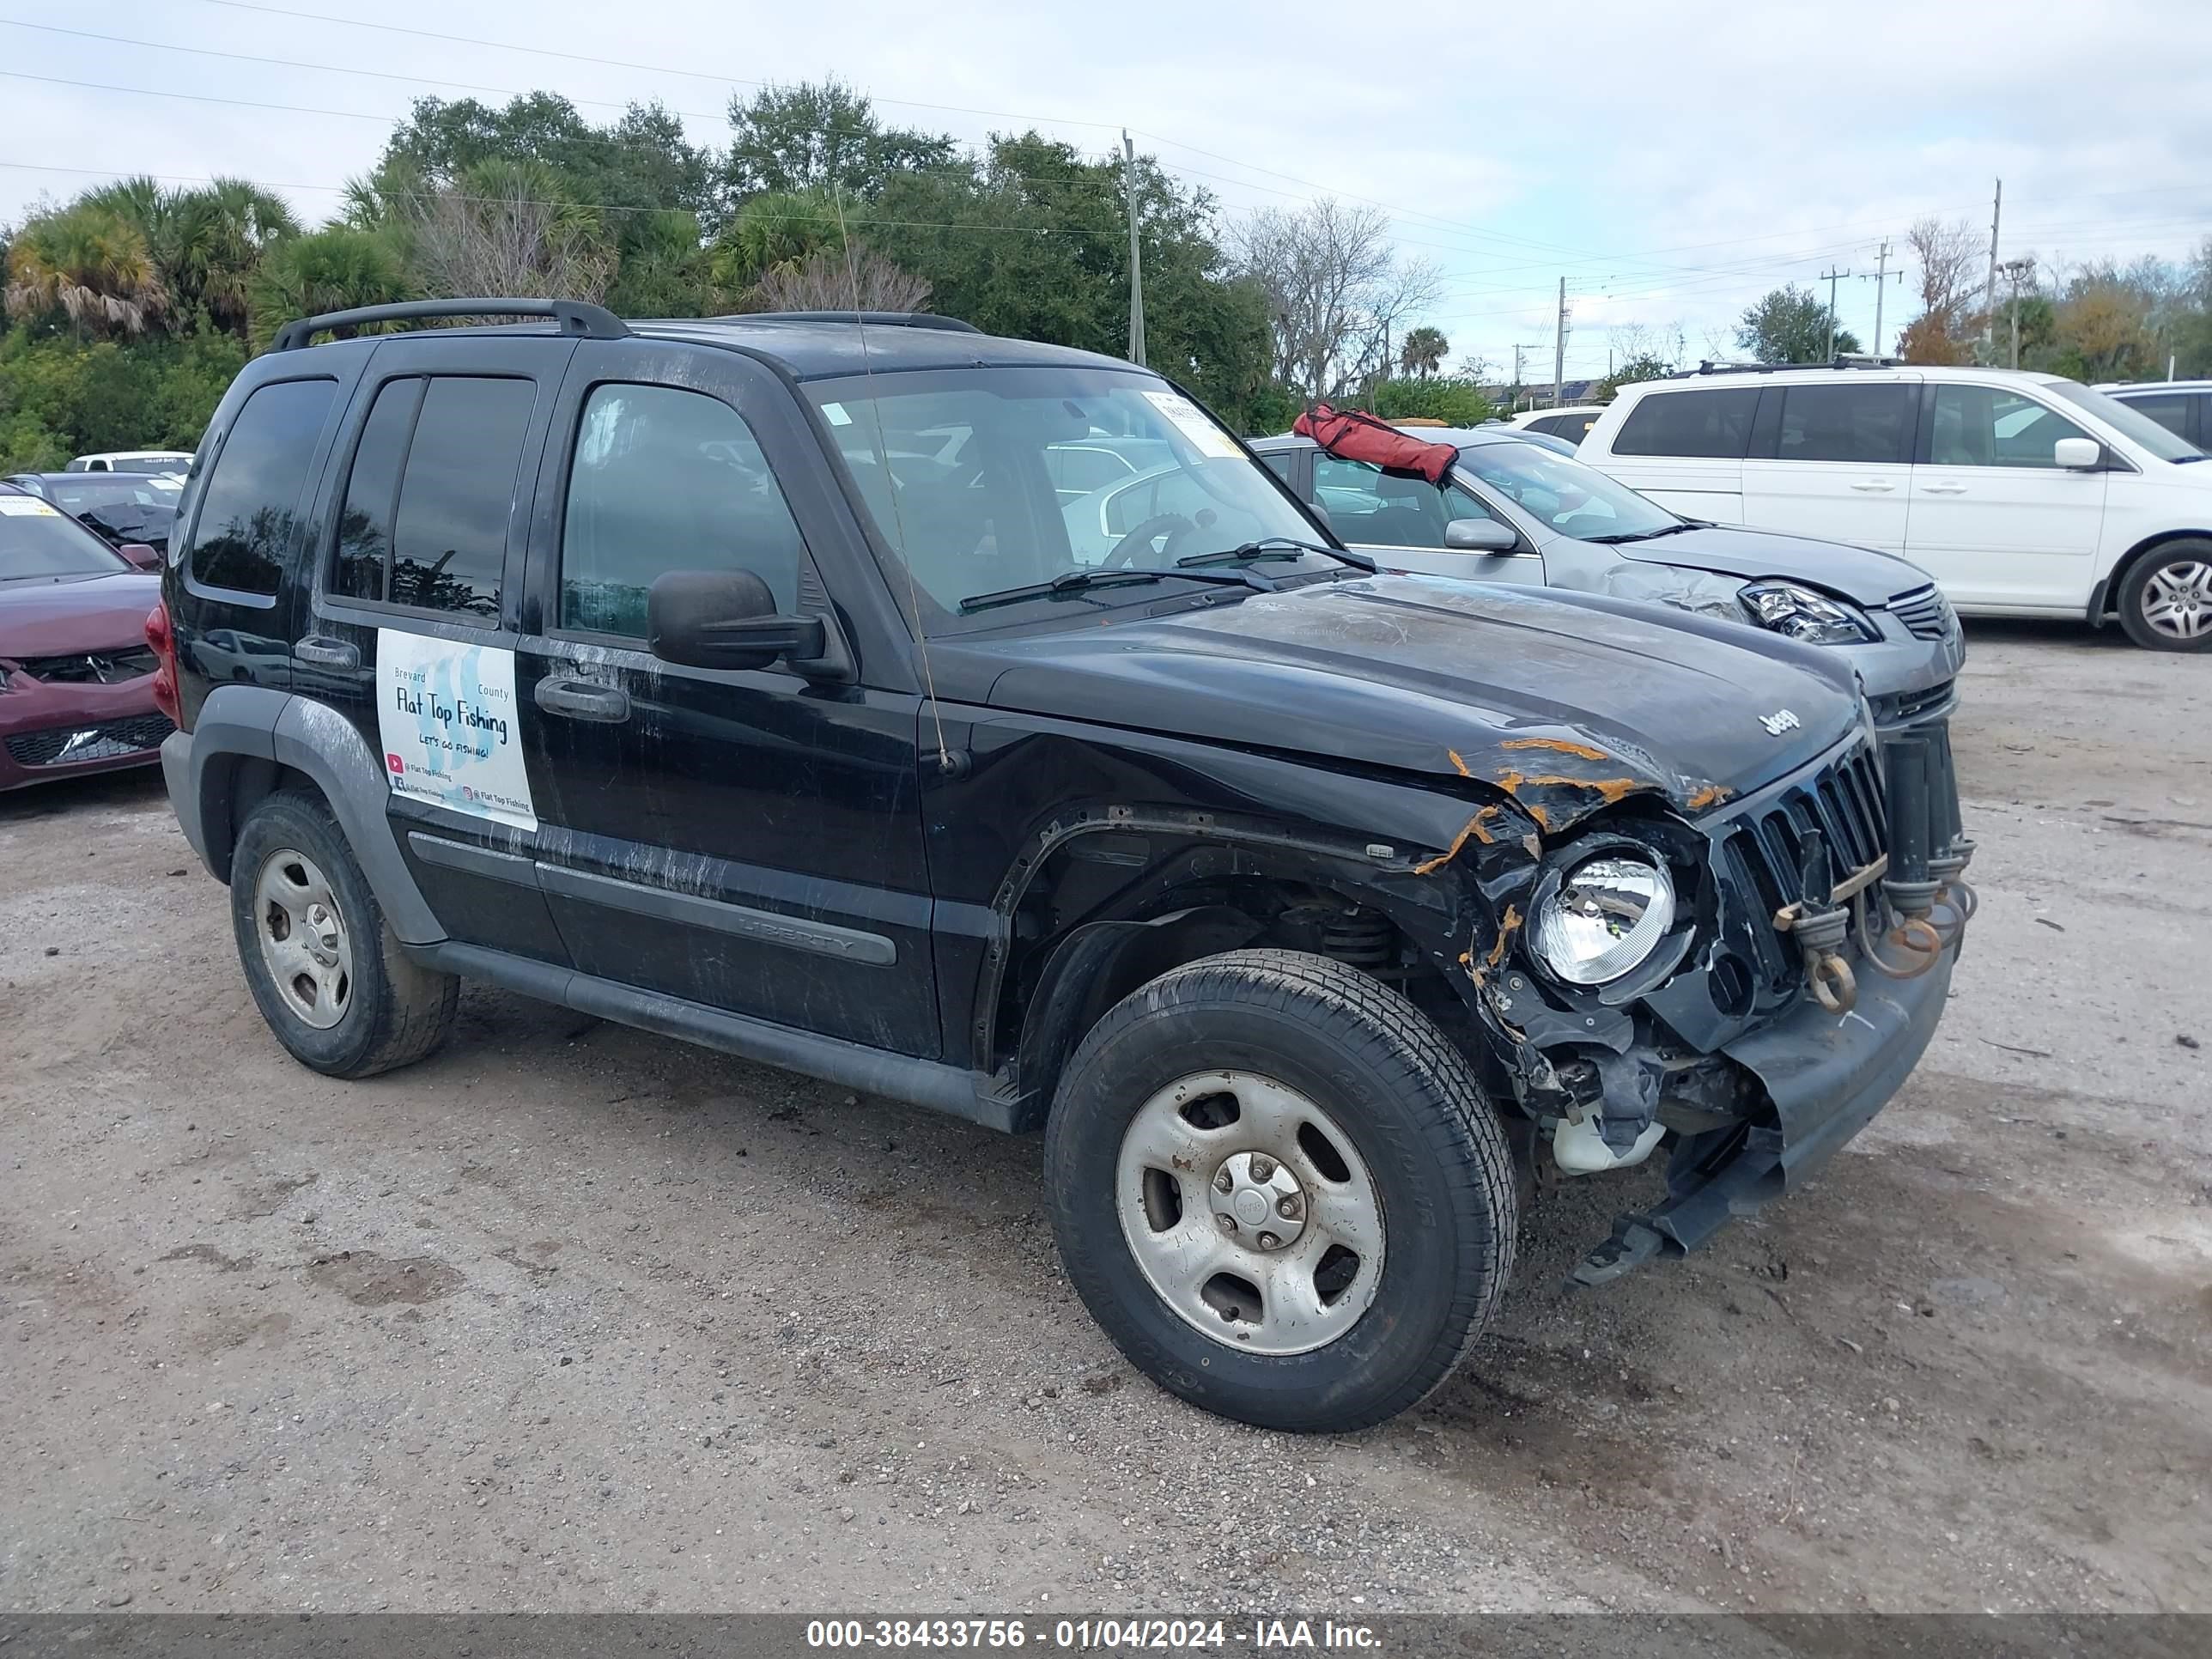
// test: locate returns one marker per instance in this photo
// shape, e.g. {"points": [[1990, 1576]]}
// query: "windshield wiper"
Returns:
{"points": [[1275, 547], [1646, 535], [1070, 583]]}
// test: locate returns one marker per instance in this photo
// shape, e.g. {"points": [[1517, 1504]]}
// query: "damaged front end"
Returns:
{"points": [[1748, 986]]}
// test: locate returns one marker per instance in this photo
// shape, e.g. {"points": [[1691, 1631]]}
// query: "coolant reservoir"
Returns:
{"points": [[1579, 1149]]}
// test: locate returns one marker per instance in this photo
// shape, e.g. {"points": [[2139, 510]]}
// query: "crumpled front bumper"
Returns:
{"points": [[1826, 1076]]}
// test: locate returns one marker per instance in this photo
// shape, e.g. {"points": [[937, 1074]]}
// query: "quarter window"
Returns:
{"points": [[248, 512], [1981, 426], [1865, 424], [1711, 425], [457, 493], [666, 479]]}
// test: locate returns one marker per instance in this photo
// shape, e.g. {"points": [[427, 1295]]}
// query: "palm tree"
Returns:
{"points": [[777, 228], [90, 263], [333, 270], [220, 235], [1424, 351]]}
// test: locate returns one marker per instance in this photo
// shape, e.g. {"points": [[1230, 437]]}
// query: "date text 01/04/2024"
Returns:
{"points": [[1085, 1634]]}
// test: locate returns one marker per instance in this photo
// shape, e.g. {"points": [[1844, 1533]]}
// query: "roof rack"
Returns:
{"points": [[1841, 360], [576, 317], [872, 318]]}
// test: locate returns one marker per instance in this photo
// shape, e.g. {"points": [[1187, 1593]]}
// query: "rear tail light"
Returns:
{"points": [[163, 639]]}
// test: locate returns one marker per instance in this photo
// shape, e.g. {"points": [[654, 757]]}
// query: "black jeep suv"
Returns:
{"points": [[783, 684]]}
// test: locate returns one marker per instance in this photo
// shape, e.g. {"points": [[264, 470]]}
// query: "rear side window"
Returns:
{"points": [[666, 479], [1862, 423], [251, 502], [1712, 425], [363, 570], [456, 494]]}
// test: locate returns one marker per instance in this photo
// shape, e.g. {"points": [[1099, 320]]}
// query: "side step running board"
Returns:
{"points": [[942, 1088]]}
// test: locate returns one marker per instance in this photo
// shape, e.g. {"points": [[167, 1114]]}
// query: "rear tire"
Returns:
{"points": [[325, 968], [2166, 598], [1278, 1187]]}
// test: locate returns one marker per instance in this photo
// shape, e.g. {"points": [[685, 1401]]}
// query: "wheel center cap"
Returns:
{"points": [[1257, 1201]]}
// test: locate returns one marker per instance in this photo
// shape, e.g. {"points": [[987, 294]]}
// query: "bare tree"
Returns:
{"points": [[1951, 262], [851, 278], [1337, 295], [503, 232]]}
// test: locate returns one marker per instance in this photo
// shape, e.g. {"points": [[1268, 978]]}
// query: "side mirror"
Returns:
{"points": [[724, 619], [1480, 535], [144, 557], [2078, 454]]}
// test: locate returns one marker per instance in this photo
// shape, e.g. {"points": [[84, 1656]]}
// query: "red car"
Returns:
{"points": [[77, 676]]}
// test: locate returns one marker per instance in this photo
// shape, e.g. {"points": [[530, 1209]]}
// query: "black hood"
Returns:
{"points": [[1565, 701], [1859, 573]]}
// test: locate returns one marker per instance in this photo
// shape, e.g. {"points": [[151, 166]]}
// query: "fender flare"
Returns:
{"points": [[241, 724]]}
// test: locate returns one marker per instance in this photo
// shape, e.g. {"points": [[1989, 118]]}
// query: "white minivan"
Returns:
{"points": [[2023, 495]]}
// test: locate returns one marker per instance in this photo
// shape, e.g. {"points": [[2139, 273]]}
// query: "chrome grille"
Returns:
{"points": [[1926, 614]]}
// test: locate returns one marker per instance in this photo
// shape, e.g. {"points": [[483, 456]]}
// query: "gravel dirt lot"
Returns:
{"points": [[571, 1317]]}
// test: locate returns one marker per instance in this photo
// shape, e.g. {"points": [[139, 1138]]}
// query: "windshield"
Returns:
{"points": [[1571, 498], [2129, 423], [987, 479], [40, 542]]}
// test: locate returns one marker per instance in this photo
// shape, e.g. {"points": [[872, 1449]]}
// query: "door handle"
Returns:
{"points": [[1874, 486], [582, 700], [322, 652], [1944, 490]]}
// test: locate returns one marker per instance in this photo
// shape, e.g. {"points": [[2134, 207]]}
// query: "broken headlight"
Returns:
{"points": [[1602, 917], [1803, 613]]}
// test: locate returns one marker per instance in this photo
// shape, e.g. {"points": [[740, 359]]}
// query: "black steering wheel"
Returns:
{"points": [[1173, 525]]}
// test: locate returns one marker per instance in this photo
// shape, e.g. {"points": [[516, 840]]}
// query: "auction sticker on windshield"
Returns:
{"points": [[446, 712], [1190, 420], [25, 507]]}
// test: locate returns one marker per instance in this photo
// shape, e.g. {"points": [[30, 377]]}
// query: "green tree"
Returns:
{"points": [[1790, 325], [1033, 241], [1450, 399], [820, 135], [775, 227], [87, 264], [335, 268], [1644, 366]]}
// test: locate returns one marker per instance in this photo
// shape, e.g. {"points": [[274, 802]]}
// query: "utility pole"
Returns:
{"points": [[1989, 290], [1881, 280], [2012, 270], [1831, 277], [1136, 254], [1879, 291], [1560, 351], [1517, 369]]}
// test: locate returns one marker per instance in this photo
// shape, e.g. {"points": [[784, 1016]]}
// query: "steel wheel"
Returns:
{"points": [[304, 942], [1250, 1213], [2177, 600]]}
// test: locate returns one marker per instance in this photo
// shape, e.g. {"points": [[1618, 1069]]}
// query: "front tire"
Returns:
{"points": [[1278, 1188], [2165, 600], [325, 967]]}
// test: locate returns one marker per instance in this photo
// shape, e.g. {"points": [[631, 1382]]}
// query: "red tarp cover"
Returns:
{"points": [[1353, 435]]}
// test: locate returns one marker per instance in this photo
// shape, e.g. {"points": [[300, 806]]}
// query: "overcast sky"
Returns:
{"points": [[1672, 161]]}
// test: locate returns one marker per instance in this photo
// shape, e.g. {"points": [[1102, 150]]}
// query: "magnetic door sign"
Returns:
{"points": [[446, 714]]}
